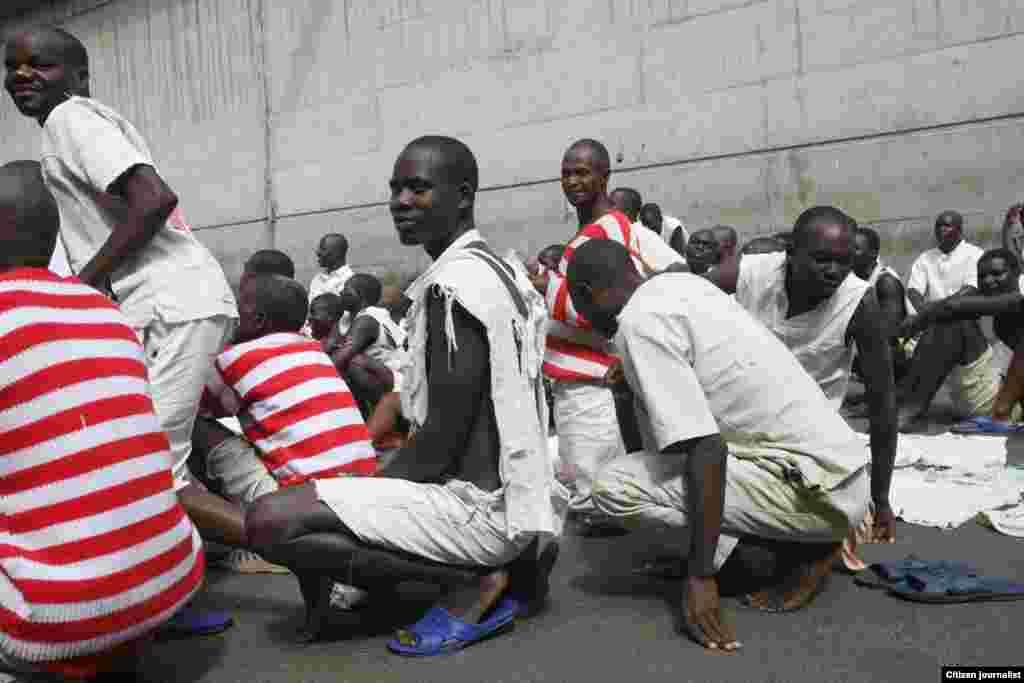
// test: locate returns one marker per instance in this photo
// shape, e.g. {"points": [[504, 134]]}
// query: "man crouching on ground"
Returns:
{"points": [[471, 500]]}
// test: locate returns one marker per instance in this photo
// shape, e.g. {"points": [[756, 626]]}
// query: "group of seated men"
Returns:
{"points": [[111, 382]]}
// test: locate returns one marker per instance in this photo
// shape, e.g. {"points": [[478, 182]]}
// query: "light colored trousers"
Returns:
{"points": [[179, 357], [241, 477], [648, 490], [588, 437]]}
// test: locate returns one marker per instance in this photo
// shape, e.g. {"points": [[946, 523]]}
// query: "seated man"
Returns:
{"points": [[892, 298], [98, 552], [705, 373], [703, 251], [324, 313], [951, 343], [373, 333], [470, 500], [670, 228], [298, 416]]}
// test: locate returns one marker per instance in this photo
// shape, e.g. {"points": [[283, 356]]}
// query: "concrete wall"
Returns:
{"points": [[277, 122]]}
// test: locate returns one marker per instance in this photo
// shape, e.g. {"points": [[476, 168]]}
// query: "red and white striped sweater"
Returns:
{"points": [[293, 406], [94, 548], [565, 360]]}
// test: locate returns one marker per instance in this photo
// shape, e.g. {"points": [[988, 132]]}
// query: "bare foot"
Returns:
{"points": [[471, 604], [798, 589]]}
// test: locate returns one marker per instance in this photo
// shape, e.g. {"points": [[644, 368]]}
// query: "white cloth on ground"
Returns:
{"points": [[944, 480]]}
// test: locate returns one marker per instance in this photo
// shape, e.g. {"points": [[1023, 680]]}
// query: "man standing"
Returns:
{"points": [[704, 375], [576, 359], [123, 230], [470, 499]]}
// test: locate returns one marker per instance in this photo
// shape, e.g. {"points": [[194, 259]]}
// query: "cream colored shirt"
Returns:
{"points": [[937, 275], [700, 365], [653, 249], [86, 146]]}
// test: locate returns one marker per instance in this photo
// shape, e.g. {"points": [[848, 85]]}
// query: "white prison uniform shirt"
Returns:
{"points": [[700, 365], [59, 260], [654, 250], [86, 146], [818, 337], [937, 275]]}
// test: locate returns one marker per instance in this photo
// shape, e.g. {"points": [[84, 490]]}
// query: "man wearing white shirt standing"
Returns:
{"points": [[332, 256]]}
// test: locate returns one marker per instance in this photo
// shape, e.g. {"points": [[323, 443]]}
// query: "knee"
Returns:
{"points": [[267, 524]]}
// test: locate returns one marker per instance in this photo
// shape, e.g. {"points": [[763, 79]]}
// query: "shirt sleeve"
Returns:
{"points": [[659, 368], [918, 279], [219, 399], [94, 148]]}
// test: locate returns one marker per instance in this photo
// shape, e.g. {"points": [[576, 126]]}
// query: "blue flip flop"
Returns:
{"points": [[439, 633], [946, 590], [898, 574], [189, 621], [986, 425]]}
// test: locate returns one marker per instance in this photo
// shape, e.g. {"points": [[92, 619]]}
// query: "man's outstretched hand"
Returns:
{"points": [[883, 530], [702, 615]]}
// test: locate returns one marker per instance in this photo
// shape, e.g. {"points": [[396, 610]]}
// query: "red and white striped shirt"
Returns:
{"points": [[293, 406], [566, 360], [94, 548]]}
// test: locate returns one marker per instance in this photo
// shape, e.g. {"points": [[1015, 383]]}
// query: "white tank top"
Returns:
{"points": [[389, 346], [817, 337]]}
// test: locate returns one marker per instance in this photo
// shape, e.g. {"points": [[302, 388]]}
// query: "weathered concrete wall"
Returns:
{"points": [[280, 121]]}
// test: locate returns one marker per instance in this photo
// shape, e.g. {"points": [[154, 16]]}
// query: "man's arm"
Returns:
{"points": [[1012, 390], [456, 385], [704, 473], [149, 203], [890, 294], [360, 336], [1013, 230], [917, 284], [867, 330]]}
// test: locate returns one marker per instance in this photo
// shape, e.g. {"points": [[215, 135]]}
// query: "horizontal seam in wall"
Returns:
{"points": [[663, 164]]}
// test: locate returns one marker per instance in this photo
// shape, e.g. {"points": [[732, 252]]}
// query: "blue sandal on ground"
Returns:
{"points": [[189, 621], [439, 633], [986, 425], [897, 574], [954, 589]]}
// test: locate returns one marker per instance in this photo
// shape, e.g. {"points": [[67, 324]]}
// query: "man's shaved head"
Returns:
{"points": [[816, 218], [594, 150], [282, 300], [270, 262], [628, 201], [71, 48], [551, 255], [600, 264], [29, 220], [453, 156], [367, 287]]}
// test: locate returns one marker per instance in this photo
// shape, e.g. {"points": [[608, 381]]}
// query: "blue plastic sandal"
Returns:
{"points": [[986, 425], [189, 621], [439, 633]]}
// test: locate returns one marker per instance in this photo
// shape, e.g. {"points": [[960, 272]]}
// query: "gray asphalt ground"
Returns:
{"points": [[604, 624]]}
